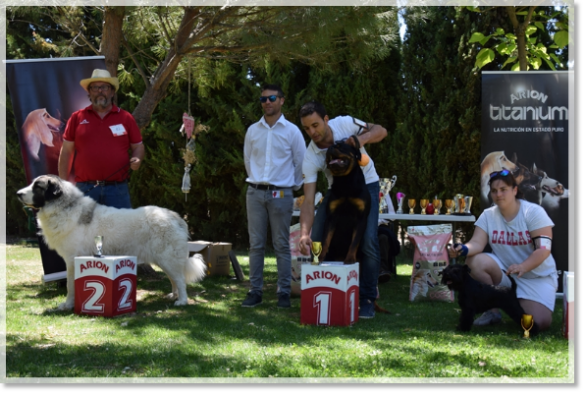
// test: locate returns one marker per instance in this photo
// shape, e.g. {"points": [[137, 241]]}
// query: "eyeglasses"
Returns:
{"points": [[502, 173], [272, 98], [103, 88]]}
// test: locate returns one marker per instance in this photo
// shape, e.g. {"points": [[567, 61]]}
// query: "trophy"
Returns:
{"points": [[316, 247], [400, 199], [527, 323], [423, 204], [386, 184], [467, 209], [437, 204], [411, 205], [459, 203], [99, 243], [449, 206]]}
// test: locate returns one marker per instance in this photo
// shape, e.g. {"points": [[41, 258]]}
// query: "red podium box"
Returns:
{"points": [[105, 286], [330, 294]]}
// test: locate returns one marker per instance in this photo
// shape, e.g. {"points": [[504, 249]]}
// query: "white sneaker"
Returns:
{"points": [[487, 318]]}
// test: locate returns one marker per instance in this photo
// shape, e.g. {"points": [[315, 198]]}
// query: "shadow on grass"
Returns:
{"points": [[161, 340]]}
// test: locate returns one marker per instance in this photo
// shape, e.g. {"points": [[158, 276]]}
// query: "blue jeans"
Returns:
{"points": [[117, 195], [369, 246], [262, 209]]}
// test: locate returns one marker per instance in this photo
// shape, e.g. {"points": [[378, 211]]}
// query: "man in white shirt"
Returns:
{"points": [[273, 154], [324, 132]]}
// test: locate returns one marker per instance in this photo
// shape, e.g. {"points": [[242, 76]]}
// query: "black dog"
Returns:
{"points": [[476, 297], [348, 206], [347, 209]]}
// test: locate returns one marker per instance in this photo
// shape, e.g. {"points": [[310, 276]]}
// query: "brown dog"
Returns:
{"points": [[38, 128]]}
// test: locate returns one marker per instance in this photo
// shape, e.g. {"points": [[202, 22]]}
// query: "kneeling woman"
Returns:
{"points": [[520, 235]]}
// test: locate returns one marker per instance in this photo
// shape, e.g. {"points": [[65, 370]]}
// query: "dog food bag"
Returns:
{"points": [[297, 259], [430, 258]]}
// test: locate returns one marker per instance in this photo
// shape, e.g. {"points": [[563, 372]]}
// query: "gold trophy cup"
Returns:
{"points": [[316, 247], [411, 205], [527, 323], [449, 206], [423, 204], [437, 204]]}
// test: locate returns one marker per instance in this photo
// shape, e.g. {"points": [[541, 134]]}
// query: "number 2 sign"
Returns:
{"points": [[105, 286]]}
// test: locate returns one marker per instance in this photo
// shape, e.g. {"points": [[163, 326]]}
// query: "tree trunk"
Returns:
{"points": [[112, 37], [157, 89], [520, 32]]}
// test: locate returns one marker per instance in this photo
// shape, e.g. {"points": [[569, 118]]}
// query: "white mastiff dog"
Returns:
{"points": [[69, 221]]}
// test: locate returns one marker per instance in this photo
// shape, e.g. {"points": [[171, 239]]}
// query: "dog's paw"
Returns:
{"points": [[180, 302], [65, 306], [171, 296]]}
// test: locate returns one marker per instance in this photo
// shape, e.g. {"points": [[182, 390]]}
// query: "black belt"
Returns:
{"points": [[103, 183], [266, 187]]}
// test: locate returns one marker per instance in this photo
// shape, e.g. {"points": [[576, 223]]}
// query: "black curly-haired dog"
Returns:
{"points": [[476, 297]]}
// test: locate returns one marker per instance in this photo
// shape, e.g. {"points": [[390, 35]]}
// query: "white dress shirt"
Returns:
{"points": [[274, 155]]}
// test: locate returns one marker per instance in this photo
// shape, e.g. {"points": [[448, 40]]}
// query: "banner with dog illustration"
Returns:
{"points": [[44, 94], [525, 129]]}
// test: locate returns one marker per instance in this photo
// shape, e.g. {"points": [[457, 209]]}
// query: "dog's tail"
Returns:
{"points": [[195, 269]]}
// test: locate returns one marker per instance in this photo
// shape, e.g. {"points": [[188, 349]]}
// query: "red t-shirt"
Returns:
{"points": [[102, 145]]}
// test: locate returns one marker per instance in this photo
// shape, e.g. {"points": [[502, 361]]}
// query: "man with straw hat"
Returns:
{"points": [[96, 143]]}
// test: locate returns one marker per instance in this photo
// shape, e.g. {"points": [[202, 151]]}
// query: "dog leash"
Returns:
{"points": [[111, 175]]}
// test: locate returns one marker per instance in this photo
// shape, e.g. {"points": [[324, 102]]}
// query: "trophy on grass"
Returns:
{"points": [[527, 322], [316, 247], [411, 205], [423, 204], [99, 244]]}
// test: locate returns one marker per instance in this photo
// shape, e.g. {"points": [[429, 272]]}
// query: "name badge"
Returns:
{"points": [[278, 194], [118, 130]]}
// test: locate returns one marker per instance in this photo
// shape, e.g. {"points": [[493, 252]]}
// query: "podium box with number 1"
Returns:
{"points": [[330, 294], [105, 286]]}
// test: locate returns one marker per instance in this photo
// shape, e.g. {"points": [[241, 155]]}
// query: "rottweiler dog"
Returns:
{"points": [[347, 209], [348, 206]]}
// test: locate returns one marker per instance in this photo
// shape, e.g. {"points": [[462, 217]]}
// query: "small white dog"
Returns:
{"points": [[69, 222]]}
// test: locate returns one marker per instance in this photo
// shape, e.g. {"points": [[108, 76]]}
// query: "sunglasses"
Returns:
{"points": [[502, 173], [272, 98]]}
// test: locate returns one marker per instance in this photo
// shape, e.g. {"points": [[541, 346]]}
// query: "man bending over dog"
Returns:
{"points": [[99, 137], [520, 235], [323, 133], [273, 156]]}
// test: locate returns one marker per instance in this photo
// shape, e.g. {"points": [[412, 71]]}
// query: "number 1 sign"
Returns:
{"points": [[105, 286], [329, 294]]}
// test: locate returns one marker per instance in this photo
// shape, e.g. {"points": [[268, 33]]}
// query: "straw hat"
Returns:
{"points": [[100, 76]]}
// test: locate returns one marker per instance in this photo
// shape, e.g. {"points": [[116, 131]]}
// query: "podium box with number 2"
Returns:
{"points": [[329, 294], [105, 286]]}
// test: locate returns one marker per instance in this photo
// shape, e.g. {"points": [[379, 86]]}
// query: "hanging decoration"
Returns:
{"points": [[191, 132]]}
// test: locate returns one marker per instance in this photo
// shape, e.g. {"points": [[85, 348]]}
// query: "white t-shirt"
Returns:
{"points": [[342, 127], [511, 241]]}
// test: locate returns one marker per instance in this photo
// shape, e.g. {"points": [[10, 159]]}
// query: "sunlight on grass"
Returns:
{"points": [[214, 336]]}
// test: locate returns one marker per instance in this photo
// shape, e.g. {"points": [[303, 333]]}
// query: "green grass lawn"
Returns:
{"points": [[213, 337]]}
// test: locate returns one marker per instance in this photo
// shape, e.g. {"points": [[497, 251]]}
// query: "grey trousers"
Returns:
{"points": [[264, 209]]}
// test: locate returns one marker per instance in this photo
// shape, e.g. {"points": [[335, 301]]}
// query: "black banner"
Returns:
{"points": [[525, 128], [44, 93]]}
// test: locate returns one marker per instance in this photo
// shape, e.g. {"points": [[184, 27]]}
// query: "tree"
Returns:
{"points": [[156, 40], [522, 47]]}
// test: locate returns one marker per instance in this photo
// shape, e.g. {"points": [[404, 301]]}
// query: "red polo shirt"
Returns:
{"points": [[101, 145]]}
